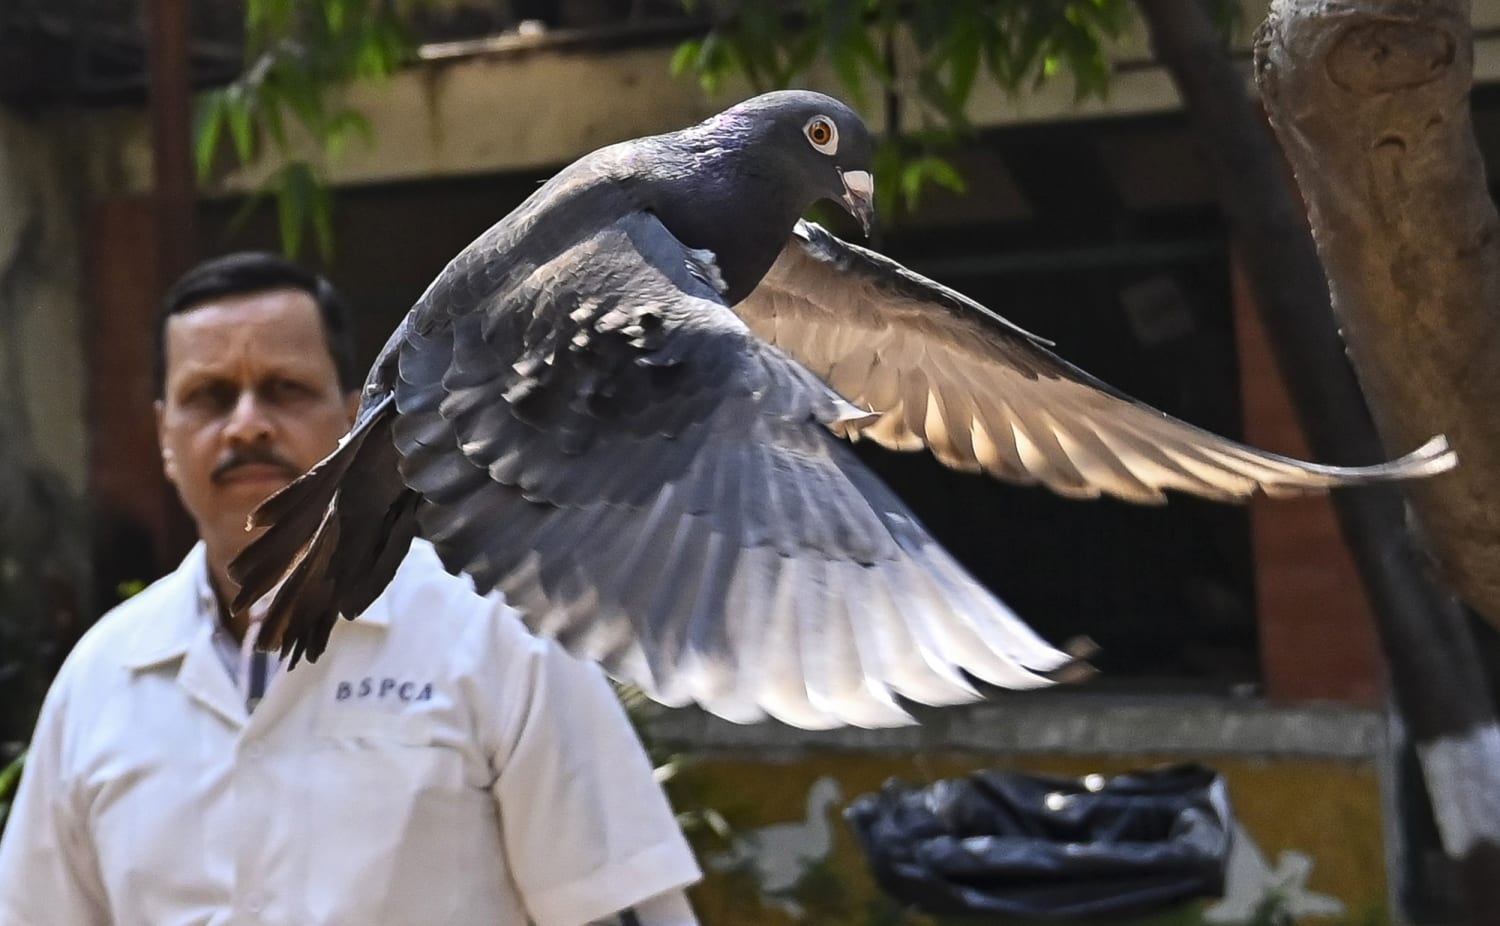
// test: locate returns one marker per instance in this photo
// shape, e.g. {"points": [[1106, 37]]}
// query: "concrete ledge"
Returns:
{"points": [[1067, 725], [534, 109]]}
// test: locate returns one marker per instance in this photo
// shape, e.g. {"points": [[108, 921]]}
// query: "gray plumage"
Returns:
{"points": [[622, 406]]}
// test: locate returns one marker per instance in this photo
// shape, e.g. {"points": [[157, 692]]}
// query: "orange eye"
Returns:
{"points": [[822, 134]]}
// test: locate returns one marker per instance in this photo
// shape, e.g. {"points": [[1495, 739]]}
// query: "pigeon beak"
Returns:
{"points": [[859, 197]]}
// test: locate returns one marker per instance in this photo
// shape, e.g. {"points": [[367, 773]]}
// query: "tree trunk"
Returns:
{"points": [[1371, 101], [1436, 679]]}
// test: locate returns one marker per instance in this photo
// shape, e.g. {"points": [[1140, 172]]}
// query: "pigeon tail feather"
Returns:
{"points": [[1430, 459], [331, 552]]}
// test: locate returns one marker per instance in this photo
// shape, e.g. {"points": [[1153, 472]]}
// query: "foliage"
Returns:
{"points": [[1017, 44], [43, 581], [296, 54], [693, 813], [10, 779], [43, 570]]}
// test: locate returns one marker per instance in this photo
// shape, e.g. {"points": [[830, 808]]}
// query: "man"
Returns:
{"points": [[438, 765]]}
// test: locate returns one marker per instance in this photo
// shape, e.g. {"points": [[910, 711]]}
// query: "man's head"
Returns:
{"points": [[255, 383]]}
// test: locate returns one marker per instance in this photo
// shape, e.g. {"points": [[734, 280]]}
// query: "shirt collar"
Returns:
{"points": [[184, 604], [176, 613]]}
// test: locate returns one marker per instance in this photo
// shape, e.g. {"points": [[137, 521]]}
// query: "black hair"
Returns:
{"points": [[248, 272]]}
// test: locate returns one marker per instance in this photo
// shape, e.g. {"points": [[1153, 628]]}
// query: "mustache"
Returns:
{"points": [[253, 455]]}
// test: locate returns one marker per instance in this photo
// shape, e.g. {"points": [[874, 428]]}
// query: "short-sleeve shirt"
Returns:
{"points": [[438, 765]]}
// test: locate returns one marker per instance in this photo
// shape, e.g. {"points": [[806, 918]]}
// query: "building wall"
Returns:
{"points": [[42, 377], [1303, 799], [531, 103], [1305, 789], [44, 558]]}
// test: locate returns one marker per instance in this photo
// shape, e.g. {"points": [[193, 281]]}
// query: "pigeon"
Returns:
{"points": [[628, 406]]}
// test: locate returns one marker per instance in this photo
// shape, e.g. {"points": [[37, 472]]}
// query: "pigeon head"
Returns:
{"points": [[736, 184], [818, 147]]}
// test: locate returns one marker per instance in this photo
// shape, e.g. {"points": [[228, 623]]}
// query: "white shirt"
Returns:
{"points": [[438, 765]]}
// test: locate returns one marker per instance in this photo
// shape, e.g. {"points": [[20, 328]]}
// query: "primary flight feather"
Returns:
{"points": [[622, 405]]}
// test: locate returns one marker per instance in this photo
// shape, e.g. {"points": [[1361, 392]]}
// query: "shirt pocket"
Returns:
{"points": [[400, 824], [353, 727]]}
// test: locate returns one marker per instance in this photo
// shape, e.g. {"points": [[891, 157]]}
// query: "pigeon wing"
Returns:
{"points": [[659, 490], [943, 372]]}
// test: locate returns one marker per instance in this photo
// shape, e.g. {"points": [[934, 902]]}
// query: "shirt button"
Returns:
{"points": [[256, 902], [254, 750]]}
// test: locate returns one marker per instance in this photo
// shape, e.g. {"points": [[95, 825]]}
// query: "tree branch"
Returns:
{"points": [[1370, 100], [1436, 678]]}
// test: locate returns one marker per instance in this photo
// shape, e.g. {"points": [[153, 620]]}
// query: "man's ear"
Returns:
{"points": [[168, 463], [351, 405]]}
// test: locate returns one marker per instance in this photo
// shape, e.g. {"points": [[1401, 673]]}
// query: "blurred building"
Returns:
{"points": [[1239, 637]]}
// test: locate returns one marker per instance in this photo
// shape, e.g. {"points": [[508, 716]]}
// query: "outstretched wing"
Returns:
{"points": [[659, 490], [941, 371]]}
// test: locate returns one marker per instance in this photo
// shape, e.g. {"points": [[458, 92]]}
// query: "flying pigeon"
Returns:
{"points": [[626, 404]]}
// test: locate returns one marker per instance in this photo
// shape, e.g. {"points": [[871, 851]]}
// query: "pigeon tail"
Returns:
{"points": [[943, 373], [1430, 459], [326, 552]]}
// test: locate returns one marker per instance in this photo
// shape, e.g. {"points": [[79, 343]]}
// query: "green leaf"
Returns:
{"points": [[209, 123], [369, 59], [1030, 52], [736, 50], [848, 43], [298, 52], [911, 184], [269, 16], [1229, 18], [247, 208], [872, 56], [712, 63], [963, 66], [846, 64], [293, 200], [399, 44], [240, 109], [716, 822], [129, 588], [941, 172], [380, 47], [271, 118], [255, 14], [888, 169], [10, 776], [322, 219], [804, 51], [303, 94], [686, 56], [344, 125]]}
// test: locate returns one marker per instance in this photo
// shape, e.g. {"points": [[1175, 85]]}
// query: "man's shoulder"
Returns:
{"points": [[116, 633], [425, 597], [170, 591], [431, 625], [422, 583], [98, 665]]}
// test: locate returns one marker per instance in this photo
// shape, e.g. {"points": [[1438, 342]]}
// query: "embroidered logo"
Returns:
{"points": [[382, 688]]}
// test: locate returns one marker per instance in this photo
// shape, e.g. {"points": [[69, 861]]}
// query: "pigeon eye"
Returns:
{"points": [[822, 134]]}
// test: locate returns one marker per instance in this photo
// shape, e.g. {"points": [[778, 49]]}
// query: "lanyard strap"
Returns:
{"points": [[253, 665], [256, 687]]}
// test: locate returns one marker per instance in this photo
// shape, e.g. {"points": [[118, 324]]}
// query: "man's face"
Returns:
{"points": [[251, 400]]}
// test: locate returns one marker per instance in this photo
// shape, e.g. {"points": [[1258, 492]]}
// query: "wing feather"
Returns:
{"points": [[942, 372], [673, 503]]}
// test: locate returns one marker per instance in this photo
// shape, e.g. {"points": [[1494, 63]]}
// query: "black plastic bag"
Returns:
{"points": [[1011, 844]]}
